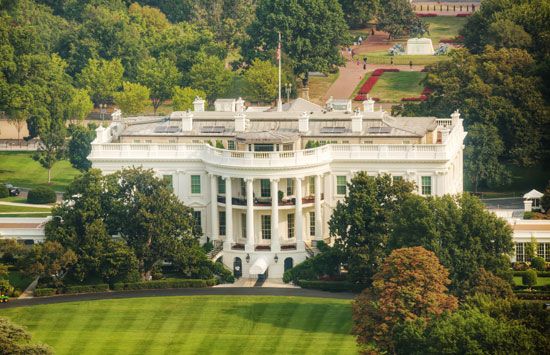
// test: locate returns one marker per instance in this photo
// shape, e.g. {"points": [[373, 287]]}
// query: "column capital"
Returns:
{"points": [[226, 177], [274, 179], [248, 179], [301, 178], [211, 174]]}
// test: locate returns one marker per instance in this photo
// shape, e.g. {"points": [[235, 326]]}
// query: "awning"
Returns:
{"points": [[259, 266], [533, 194]]}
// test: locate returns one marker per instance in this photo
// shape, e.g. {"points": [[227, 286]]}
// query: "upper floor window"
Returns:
{"points": [[289, 187], [195, 184], [287, 146], [341, 185], [263, 148], [426, 187], [231, 145], [311, 183], [397, 178], [221, 222], [221, 185], [265, 188]]}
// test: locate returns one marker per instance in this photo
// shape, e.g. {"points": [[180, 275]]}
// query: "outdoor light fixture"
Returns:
{"points": [[276, 258], [247, 258]]}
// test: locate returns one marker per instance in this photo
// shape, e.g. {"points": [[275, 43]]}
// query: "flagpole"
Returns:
{"points": [[279, 100]]}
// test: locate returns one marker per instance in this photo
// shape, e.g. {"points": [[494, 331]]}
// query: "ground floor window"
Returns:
{"points": [[397, 178], [290, 222], [221, 222], [426, 185], [266, 227], [263, 148], [520, 252], [312, 224], [543, 251]]}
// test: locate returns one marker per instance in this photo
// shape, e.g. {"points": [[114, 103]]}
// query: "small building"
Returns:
{"points": [[531, 200]]}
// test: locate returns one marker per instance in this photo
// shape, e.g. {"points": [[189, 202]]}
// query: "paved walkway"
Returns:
{"points": [[214, 291]]}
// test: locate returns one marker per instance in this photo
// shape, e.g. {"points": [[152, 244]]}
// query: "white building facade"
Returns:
{"points": [[263, 184]]}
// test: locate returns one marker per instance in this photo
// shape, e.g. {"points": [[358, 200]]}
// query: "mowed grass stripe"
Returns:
{"points": [[192, 325]]}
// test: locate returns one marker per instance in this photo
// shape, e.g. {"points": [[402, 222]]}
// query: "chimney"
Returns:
{"points": [[455, 117], [239, 105], [186, 120], [198, 105], [241, 122], [303, 123], [368, 105], [357, 122]]}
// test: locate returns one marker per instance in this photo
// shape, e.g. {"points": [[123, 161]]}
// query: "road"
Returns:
{"points": [[214, 291]]}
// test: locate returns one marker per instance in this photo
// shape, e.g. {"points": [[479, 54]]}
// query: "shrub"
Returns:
{"points": [[529, 278], [486, 283], [87, 288], [519, 266], [538, 263], [539, 273], [163, 284], [41, 195], [41, 292], [4, 192], [223, 273], [208, 247], [325, 264], [528, 215]]}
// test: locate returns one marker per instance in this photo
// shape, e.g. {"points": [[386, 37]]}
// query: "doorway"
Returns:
{"points": [[237, 268]]}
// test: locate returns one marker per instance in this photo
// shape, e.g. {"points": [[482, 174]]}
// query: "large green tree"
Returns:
{"points": [[312, 33], [80, 146], [210, 75], [52, 144], [361, 223], [358, 13], [396, 17], [261, 81], [182, 98], [160, 76], [132, 99], [102, 78], [80, 106]]}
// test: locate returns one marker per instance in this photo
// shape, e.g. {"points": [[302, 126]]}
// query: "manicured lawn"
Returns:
{"points": [[391, 87], [443, 27], [382, 57], [541, 281], [8, 208], [24, 215], [318, 87], [19, 169], [193, 325]]}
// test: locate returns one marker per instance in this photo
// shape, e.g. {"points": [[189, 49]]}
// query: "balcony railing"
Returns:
{"points": [[266, 201]]}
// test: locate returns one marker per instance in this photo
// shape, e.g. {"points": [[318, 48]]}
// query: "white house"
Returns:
{"points": [[266, 196]]}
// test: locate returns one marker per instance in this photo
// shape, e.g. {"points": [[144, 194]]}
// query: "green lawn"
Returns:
{"points": [[541, 281], [392, 87], [318, 87], [443, 27], [8, 208], [192, 325], [21, 170], [382, 57]]}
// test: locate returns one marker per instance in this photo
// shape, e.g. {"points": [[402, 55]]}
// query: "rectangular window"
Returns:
{"points": [[243, 187], [221, 185], [231, 145], [221, 222], [287, 147], [266, 227], [196, 141], [397, 178], [290, 224], [312, 224], [543, 251], [195, 184], [265, 188], [341, 185], [289, 187], [197, 215], [168, 180], [426, 185], [520, 252], [263, 147], [243, 225], [367, 142], [311, 182]]}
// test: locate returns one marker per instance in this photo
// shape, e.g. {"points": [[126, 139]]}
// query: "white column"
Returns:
{"points": [[275, 241], [214, 206], [249, 215], [318, 216], [228, 213], [299, 220]]}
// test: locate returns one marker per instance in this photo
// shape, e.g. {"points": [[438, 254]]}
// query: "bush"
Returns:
{"points": [[528, 215], [208, 247], [223, 273], [163, 284], [41, 195], [321, 265], [87, 288], [539, 274], [4, 192], [520, 266], [538, 263], [529, 278], [41, 292]]}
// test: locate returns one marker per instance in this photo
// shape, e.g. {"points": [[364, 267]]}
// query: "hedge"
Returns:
{"points": [[41, 195], [162, 284], [525, 295], [87, 288], [539, 273], [331, 286], [41, 292], [4, 192]]}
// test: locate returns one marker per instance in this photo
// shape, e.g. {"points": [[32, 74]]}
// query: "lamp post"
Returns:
{"points": [[288, 90]]}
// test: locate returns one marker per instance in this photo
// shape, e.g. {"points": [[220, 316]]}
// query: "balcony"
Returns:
{"points": [[266, 201]]}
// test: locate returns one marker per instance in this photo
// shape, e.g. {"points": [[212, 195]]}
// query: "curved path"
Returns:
{"points": [[215, 291]]}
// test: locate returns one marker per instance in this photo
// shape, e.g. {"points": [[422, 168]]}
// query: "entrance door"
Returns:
{"points": [[237, 268], [289, 263]]}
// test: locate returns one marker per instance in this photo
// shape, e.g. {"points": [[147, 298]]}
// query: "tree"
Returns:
{"points": [[396, 17], [80, 146], [505, 33], [410, 285], [358, 13], [80, 106], [51, 146], [19, 106], [182, 98], [160, 76], [261, 81], [102, 78], [463, 234], [16, 340], [481, 157], [531, 248], [361, 223], [487, 284], [210, 75], [311, 31], [50, 261], [545, 200], [132, 99]]}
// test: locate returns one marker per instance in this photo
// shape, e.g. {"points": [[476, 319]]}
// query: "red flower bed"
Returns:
{"points": [[368, 85], [427, 15], [419, 98], [463, 15], [427, 91], [378, 72]]}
